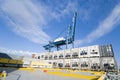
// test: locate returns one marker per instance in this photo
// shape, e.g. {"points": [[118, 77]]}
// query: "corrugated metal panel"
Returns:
{"points": [[106, 51]]}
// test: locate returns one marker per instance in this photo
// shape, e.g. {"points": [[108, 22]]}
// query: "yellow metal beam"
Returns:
{"points": [[73, 75]]}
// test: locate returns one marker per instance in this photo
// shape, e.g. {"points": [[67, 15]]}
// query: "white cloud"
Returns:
{"points": [[105, 26], [30, 19], [67, 8], [27, 19], [17, 52]]}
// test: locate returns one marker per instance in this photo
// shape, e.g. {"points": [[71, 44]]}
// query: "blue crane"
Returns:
{"points": [[69, 39]]}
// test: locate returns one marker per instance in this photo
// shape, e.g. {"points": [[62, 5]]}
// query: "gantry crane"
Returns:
{"points": [[69, 39]]}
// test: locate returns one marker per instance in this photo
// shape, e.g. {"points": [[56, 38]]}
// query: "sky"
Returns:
{"points": [[27, 25]]}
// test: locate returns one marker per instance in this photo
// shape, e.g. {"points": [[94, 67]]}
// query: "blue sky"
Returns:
{"points": [[27, 25]]}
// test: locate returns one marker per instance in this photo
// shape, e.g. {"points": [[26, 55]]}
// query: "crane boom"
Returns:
{"points": [[74, 25], [64, 41]]}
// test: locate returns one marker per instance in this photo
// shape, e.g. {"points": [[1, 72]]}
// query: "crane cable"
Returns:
{"points": [[61, 32]]}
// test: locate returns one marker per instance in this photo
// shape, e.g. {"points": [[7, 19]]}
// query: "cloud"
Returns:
{"points": [[67, 8], [30, 19], [27, 19], [105, 26], [17, 52]]}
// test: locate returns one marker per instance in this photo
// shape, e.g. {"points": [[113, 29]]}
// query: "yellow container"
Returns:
{"points": [[13, 61], [19, 62], [4, 60]]}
